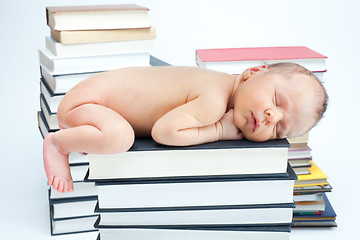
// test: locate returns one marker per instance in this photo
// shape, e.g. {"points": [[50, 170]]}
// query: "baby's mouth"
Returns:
{"points": [[253, 122]]}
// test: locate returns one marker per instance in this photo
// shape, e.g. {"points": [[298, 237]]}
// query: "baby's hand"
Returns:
{"points": [[229, 131]]}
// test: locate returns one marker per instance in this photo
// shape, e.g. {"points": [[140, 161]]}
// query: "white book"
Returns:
{"points": [[73, 225], [99, 48], [92, 235], [233, 215], [50, 117], [189, 234], [66, 65], [60, 84], [72, 209], [84, 17], [307, 197], [52, 100], [81, 189], [192, 193]]}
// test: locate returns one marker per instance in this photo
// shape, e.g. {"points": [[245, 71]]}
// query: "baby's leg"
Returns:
{"points": [[90, 128]]}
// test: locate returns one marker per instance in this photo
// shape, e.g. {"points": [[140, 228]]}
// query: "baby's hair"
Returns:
{"points": [[290, 69]]}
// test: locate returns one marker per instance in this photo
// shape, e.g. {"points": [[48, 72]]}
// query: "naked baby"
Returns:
{"points": [[180, 106]]}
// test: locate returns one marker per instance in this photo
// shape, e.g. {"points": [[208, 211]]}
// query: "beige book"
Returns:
{"points": [[110, 35]]}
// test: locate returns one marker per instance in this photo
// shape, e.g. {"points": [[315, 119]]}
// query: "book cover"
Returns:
{"points": [[260, 53]]}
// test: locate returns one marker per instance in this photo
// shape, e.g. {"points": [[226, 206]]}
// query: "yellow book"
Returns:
{"points": [[316, 177]]}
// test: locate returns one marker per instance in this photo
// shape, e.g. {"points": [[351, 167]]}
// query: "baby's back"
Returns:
{"points": [[144, 94]]}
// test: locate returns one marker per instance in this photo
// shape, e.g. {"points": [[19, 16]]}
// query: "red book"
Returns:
{"points": [[235, 60]]}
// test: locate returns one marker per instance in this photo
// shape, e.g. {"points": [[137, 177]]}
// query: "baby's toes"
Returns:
{"points": [[51, 180], [56, 182], [61, 186], [71, 185], [66, 187]]}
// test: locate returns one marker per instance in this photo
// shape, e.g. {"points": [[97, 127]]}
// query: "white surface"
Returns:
{"points": [[327, 26]]}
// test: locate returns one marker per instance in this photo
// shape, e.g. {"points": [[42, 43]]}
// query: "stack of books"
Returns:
{"points": [[226, 189], [85, 40], [312, 206]]}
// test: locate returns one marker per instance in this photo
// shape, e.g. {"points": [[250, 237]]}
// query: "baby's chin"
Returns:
{"points": [[255, 137]]}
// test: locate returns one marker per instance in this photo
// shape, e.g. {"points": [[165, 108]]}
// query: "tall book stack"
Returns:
{"points": [[85, 40], [312, 206], [226, 189]]}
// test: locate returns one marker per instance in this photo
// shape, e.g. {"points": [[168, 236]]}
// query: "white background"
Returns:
{"points": [[327, 26]]}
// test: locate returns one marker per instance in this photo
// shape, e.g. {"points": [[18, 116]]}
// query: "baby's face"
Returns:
{"points": [[268, 106]]}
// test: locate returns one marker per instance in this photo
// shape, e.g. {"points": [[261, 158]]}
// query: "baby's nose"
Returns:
{"points": [[272, 116]]}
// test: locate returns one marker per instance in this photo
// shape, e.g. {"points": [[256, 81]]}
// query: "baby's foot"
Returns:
{"points": [[56, 165]]}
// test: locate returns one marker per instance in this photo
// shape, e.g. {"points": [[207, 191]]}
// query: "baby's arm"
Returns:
{"points": [[199, 121]]}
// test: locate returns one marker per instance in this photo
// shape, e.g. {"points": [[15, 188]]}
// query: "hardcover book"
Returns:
{"points": [[229, 233], [236, 60], [97, 17], [102, 35], [67, 65], [274, 214], [148, 159], [239, 190], [99, 48]]}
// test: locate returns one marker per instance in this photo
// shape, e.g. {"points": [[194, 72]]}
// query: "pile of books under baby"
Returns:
{"points": [[85, 40], [312, 205]]}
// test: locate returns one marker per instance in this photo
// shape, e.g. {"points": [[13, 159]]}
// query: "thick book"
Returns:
{"points": [[50, 117], [58, 85], [70, 208], [236, 60], [42, 124], [275, 214], [228, 233], [86, 17], [97, 49], [243, 190], [52, 100], [148, 159], [73, 225], [67, 65], [102, 35], [82, 191]]}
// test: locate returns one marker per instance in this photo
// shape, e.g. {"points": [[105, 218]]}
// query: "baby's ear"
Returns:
{"points": [[253, 70]]}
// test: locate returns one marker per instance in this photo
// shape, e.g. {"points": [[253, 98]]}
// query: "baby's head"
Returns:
{"points": [[278, 101]]}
